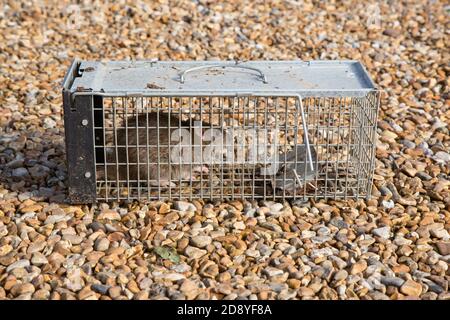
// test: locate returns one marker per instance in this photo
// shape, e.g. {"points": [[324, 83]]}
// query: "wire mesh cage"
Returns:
{"points": [[254, 130]]}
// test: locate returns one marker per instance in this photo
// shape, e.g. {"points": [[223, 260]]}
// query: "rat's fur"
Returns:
{"points": [[296, 159], [148, 157]]}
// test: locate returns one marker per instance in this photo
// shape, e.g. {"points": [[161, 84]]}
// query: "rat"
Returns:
{"points": [[296, 176], [175, 172], [167, 172]]}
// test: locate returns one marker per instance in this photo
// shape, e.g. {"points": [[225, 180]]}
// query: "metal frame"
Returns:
{"points": [[351, 109], [78, 121], [307, 78]]}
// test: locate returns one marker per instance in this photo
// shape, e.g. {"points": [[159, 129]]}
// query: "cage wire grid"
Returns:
{"points": [[341, 130]]}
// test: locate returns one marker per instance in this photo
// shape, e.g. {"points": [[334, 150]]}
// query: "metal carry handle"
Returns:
{"points": [[261, 74], [305, 130]]}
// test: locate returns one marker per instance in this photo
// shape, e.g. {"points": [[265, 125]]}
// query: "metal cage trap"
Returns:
{"points": [[184, 130]]}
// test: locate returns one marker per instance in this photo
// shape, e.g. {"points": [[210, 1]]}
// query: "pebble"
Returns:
{"points": [[101, 244], [339, 223], [276, 207], [306, 292], [181, 268], [164, 208], [388, 204], [41, 294], [438, 231], [20, 173], [408, 144], [253, 253], [443, 248], [86, 294], [5, 249], [306, 234], [100, 288], [272, 272], [194, 253], [201, 241], [392, 32], [184, 206], [109, 215], [73, 280], [23, 263], [294, 283], [340, 275], [239, 225], [56, 218], [170, 277], [36, 246], [424, 176], [411, 288], [115, 292], [49, 123], [22, 288], [38, 259], [189, 288], [442, 157], [392, 281], [383, 232], [341, 264], [385, 191], [318, 253], [358, 267], [435, 288], [287, 295]]}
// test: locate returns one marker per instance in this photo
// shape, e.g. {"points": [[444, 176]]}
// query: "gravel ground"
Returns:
{"points": [[394, 246]]}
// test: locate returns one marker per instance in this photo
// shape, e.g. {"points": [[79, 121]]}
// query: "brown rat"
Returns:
{"points": [[149, 162], [295, 169], [147, 157]]}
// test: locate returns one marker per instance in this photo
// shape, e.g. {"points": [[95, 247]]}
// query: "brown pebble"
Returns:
{"points": [[411, 288]]}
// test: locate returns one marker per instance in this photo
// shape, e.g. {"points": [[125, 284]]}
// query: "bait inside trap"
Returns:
{"points": [[184, 130]]}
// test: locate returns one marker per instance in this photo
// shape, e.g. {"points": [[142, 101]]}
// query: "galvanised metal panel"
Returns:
{"points": [[164, 78]]}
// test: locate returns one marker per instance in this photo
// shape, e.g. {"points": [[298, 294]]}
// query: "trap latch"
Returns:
{"points": [[305, 131]]}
